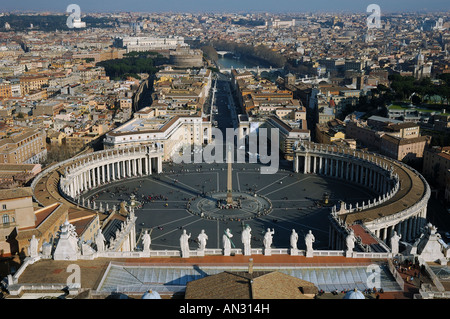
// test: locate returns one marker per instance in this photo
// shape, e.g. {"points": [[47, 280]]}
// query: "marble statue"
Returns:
{"points": [[100, 241], [184, 244], [202, 238], [293, 242], [146, 242], [268, 238], [226, 240], [309, 240], [350, 243], [33, 248], [394, 243], [246, 240]]}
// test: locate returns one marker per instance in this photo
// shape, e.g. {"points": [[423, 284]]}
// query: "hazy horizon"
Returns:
{"points": [[226, 6]]}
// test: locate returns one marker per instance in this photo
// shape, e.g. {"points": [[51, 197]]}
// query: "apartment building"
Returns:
{"points": [[32, 83], [26, 146], [436, 163], [404, 149], [16, 210], [49, 108], [5, 90], [177, 89], [77, 140], [333, 130], [442, 122], [401, 141]]}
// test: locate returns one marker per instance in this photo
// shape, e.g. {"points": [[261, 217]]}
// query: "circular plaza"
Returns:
{"points": [[329, 190], [245, 206]]}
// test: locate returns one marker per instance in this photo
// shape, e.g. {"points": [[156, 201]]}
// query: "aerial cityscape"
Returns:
{"points": [[224, 151]]}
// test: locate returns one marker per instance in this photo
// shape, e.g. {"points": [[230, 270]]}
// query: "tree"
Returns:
{"points": [[210, 53]]}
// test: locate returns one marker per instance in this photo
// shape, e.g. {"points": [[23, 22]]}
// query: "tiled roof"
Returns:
{"points": [[244, 285], [15, 193]]}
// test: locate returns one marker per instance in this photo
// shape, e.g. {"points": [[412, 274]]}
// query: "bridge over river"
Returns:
{"points": [[256, 70]]}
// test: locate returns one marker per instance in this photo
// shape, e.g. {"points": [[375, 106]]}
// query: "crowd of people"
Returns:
{"points": [[410, 270]]}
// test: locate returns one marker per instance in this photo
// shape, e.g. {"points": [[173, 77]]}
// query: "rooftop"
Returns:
{"points": [[6, 194]]}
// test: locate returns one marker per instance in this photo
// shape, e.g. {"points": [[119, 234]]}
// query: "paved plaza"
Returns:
{"points": [[170, 203]]}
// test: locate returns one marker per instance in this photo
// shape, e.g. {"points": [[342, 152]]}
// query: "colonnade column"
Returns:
{"points": [[314, 164], [305, 165], [147, 165], [159, 164], [320, 165], [331, 167]]}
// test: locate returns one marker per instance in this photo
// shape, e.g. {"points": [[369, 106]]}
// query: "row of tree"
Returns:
{"points": [[261, 53], [132, 64], [420, 91], [403, 89]]}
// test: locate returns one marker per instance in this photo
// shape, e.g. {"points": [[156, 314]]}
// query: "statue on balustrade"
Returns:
{"points": [[350, 243], [100, 241], [33, 248], [146, 242], [202, 238], [293, 240], [246, 240], [267, 241], [309, 240], [226, 240], [395, 243], [184, 244], [268, 238]]}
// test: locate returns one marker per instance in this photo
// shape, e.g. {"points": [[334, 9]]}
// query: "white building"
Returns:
{"points": [[170, 132], [149, 43]]}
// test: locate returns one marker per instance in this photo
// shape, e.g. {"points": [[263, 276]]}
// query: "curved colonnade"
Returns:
{"points": [[90, 171], [75, 176], [403, 194]]}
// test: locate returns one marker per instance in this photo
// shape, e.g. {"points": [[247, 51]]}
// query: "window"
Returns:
{"points": [[4, 206], [5, 219]]}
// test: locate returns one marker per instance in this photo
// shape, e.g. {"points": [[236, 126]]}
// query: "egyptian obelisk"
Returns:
{"points": [[229, 179]]}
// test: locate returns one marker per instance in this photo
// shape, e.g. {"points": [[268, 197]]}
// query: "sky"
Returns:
{"points": [[276, 6]]}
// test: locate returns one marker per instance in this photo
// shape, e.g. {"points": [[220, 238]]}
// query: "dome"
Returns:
{"points": [[354, 294], [150, 294]]}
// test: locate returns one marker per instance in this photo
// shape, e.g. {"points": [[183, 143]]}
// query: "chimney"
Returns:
{"points": [[250, 266]]}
